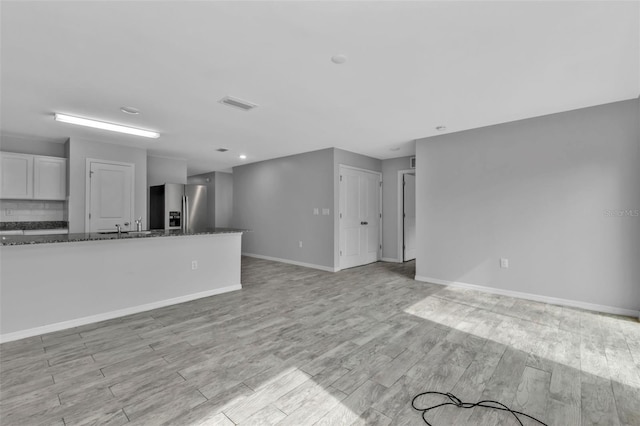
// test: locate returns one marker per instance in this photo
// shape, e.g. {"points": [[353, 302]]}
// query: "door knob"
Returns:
{"points": [[364, 223]]}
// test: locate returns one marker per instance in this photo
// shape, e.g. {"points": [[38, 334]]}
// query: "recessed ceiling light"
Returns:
{"points": [[441, 128], [63, 118], [339, 59], [130, 110], [243, 157]]}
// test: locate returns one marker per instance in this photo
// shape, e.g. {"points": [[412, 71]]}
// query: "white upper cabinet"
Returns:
{"points": [[16, 177], [37, 177], [49, 178]]}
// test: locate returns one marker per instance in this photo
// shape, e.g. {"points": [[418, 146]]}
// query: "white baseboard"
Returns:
{"points": [[535, 297], [292, 262], [391, 259], [17, 335]]}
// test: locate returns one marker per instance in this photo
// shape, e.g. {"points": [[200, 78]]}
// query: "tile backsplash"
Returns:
{"points": [[32, 210]]}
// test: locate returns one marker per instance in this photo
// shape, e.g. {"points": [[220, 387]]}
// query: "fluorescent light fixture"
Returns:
{"points": [[63, 118]]}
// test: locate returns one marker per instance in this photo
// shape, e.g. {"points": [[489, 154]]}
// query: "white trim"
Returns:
{"points": [[16, 335], [535, 297], [359, 169], [87, 188], [391, 259], [400, 200], [292, 262]]}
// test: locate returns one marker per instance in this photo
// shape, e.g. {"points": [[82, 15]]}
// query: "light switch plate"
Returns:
{"points": [[325, 212], [315, 211]]}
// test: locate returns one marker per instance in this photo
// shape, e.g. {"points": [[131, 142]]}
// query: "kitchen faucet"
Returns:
{"points": [[119, 227]]}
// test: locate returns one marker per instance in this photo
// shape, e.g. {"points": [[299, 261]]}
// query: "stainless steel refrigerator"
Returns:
{"points": [[176, 206]]}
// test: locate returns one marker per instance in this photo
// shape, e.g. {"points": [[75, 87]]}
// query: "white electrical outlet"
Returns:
{"points": [[8, 212], [504, 263], [194, 265], [325, 212], [300, 244]]}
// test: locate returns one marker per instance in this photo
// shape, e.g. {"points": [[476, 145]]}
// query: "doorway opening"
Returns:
{"points": [[406, 215]]}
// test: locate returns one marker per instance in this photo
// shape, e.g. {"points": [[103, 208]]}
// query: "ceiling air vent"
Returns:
{"points": [[237, 103], [222, 150]]}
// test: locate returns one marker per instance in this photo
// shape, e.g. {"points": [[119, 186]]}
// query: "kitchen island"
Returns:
{"points": [[54, 282]]}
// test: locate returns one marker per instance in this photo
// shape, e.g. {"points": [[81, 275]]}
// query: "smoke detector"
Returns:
{"points": [[339, 59], [238, 103]]}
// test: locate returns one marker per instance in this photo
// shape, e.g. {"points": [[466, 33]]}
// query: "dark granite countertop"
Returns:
{"points": [[19, 240], [18, 226]]}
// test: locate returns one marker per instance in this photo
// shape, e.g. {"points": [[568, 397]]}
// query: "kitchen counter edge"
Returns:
{"points": [[20, 240]]}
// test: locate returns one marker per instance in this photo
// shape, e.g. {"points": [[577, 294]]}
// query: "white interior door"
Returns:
{"points": [[409, 217], [111, 196], [359, 217]]}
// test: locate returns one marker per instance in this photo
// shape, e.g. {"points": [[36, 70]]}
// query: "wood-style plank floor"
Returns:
{"points": [[301, 347]]}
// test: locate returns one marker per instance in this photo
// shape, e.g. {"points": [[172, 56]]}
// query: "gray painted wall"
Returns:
{"points": [[390, 168], [352, 159], [161, 170], [224, 199], [208, 180], [32, 145], [539, 192], [79, 151], [275, 200]]}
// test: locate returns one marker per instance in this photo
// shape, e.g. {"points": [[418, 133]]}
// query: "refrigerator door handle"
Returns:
{"points": [[185, 200], [184, 215]]}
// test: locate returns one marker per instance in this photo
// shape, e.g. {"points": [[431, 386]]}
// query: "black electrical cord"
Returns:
{"points": [[454, 400]]}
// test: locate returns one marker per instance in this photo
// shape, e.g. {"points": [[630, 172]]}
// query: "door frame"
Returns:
{"points": [[339, 210], [400, 224], [87, 187]]}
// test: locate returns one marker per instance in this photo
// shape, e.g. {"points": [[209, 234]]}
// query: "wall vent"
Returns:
{"points": [[237, 103], [222, 150], [412, 162]]}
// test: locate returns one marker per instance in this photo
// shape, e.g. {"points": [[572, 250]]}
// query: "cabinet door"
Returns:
{"points": [[16, 175], [50, 178]]}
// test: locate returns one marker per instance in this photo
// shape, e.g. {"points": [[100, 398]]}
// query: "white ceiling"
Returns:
{"points": [[411, 67]]}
